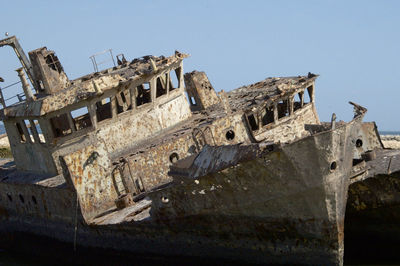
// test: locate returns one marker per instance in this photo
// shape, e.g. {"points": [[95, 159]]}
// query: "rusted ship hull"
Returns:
{"points": [[257, 203], [294, 206]]}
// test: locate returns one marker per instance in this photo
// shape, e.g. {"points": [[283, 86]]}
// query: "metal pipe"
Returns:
{"points": [[25, 85]]}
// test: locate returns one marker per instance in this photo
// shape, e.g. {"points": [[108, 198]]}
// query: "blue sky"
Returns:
{"points": [[353, 45]]}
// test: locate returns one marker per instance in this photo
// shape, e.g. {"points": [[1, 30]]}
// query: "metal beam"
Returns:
{"points": [[26, 64]]}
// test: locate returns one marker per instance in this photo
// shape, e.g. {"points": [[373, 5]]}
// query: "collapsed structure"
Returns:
{"points": [[143, 155]]}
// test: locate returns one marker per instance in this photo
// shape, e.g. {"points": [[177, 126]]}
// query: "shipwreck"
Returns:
{"points": [[142, 158]]}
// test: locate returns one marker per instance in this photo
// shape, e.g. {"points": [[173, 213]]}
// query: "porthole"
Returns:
{"points": [[164, 199], [21, 198], [174, 157], [359, 143], [333, 166], [34, 200], [230, 135]]}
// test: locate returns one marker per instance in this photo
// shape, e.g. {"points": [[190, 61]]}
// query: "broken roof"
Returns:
{"points": [[270, 89], [138, 71]]}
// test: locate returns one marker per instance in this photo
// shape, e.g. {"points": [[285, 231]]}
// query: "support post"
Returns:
{"points": [[25, 85]]}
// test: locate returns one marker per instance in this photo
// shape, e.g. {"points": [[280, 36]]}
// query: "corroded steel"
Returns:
{"points": [[249, 174]]}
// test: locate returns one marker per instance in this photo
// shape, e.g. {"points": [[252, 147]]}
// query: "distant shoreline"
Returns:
{"points": [[394, 133], [391, 141]]}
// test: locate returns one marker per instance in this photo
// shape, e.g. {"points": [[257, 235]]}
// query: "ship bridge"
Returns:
{"points": [[120, 106]]}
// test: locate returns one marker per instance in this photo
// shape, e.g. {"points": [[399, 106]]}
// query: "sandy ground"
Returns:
{"points": [[4, 143], [391, 141]]}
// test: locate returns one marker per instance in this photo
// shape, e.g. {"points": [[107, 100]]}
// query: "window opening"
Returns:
{"points": [[230, 135], [39, 131], [253, 121], [143, 94], [283, 108], [192, 101], [81, 118], [297, 101], [161, 85], [30, 131], [187, 97], [103, 109], [22, 137], [267, 115], [60, 125], [174, 79], [359, 143], [333, 165], [307, 96], [123, 101], [53, 62], [174, 157]]}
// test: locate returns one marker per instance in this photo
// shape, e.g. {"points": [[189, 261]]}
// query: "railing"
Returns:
{"points": [[19, 96], [96, 64]]}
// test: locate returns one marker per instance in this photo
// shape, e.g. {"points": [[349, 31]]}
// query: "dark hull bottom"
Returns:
{"points": [[361, 249], [48, 251], [377, 245], [372, 222], [275, 243]]}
